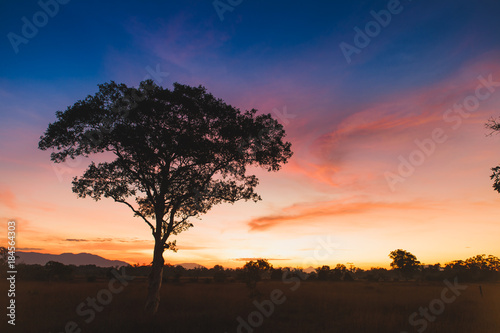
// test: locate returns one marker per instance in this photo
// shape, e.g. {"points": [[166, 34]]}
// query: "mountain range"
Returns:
{"points": [[78, 259]]}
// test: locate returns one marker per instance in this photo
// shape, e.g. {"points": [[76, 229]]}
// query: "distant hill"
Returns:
{"points": [[309, 269], [190, 265], [67, 259]]}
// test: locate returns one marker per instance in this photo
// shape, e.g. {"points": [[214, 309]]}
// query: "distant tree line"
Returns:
{"points": [[404, 266]]}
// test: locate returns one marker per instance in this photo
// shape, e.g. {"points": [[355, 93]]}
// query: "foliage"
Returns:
{"points": [[404, 262], [324, 273], [4, 254], [377, 274], [220, 275], [477, 268], [175, 154], [57, 271], [276, 273], [254, 271]]}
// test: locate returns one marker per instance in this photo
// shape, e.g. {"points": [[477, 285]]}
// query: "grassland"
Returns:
{"points": [[199, 307]]}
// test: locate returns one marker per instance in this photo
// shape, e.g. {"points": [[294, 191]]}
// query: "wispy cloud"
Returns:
{"points": [[8, 198], [363, 144], [301, 212], [193, 247], [102, 240]]}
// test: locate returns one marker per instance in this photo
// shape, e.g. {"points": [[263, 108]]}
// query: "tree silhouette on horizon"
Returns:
{"points": [[177, 153], [404, 262], [494, 125]]}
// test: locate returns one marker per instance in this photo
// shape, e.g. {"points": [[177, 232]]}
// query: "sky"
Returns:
{"points": [[384, 102]]}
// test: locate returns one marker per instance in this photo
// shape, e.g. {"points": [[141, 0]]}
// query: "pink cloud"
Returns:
{"points": [[8, 199], [302, 212], [373, 135]]}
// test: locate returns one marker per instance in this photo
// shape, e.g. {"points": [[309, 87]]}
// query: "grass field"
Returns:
{"points": [[312, 307]]}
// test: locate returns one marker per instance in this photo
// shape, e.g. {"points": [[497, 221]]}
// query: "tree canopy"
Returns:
{"points": [[404, 261], [172, 154], [177, 152]]}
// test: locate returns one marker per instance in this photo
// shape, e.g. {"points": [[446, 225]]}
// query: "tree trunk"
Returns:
{"points": [[155, 278]]}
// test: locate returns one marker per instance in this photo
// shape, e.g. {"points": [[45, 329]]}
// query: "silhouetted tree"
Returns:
{"points": [[220, 275], [323, 272], [404, 262], [432, 272], [254, 271], [338, 272], [276, 273], [57, 271], [376, 274], [32, 272], [179, 271], [312, 276], [4, 254], [494, 126], [348, 276], [168, 271], [176, 153], [483, 263], [477, 268]]}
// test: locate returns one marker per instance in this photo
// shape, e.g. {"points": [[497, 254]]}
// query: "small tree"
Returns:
{"points": [[276, 273], [175, 154], [404, 262], [179, 272], [323, 272], [254, 271], [338, 272], [58, 271], [4, 254], [220, 274]]}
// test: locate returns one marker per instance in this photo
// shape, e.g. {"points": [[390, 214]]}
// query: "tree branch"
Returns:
{"points": [[170, 224], [138, 214], [140, 176]]}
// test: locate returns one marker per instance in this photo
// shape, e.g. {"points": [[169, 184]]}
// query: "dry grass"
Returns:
{"points": [[313, 307]]}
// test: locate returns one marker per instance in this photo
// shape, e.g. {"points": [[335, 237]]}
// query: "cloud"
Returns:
{"points": [[306, 211], [20, 222], [8, 199], [102, 240], [193, 247], [179, 43], [362, 145]]}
